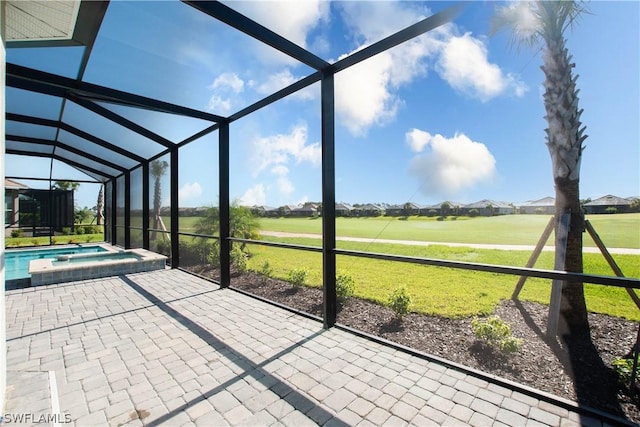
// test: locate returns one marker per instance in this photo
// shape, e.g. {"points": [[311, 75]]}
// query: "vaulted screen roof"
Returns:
{"points": [[89, 84]]}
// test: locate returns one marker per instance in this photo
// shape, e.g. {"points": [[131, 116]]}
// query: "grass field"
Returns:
{"points": [[617, 231], [444, 291], [449, 292]]}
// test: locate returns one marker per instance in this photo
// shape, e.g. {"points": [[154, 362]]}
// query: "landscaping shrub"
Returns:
{"points": [[164, 246], [79, 230], [474, 212], [623, 367], [611, 210], [266, 270], [199, 252], [239, 259], [496, 333], [399, 301], [16, 233], [297, 276], [66, 231], [345, 287]]}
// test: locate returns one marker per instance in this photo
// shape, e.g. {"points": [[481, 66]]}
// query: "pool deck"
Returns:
{"points": [[168, 348]]}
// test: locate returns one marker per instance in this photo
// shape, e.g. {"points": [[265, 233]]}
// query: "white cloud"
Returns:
{"points": [[293, 20], [278, 150], [224, 84], [366, 94], [464, 64], [275, 82], [285, 186], [449, 165], [188, 193], [219, 105], [280, 170], [363, 96], [417, 139], [254, 196], [280, 80], [228, 81]]}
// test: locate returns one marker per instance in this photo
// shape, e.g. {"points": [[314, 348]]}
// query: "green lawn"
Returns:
{"points": [[620, 230], [448, 292]]}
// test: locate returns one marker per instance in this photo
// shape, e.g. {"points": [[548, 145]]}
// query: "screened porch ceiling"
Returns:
{"points": [[82, 78]]}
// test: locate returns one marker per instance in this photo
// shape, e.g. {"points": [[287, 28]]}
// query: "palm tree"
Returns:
{"points": [[158, 169], [100, 206], [66, 185], [543, 24], [242, 224]]}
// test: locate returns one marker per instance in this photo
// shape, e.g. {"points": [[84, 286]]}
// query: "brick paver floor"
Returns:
{"points": [[168, 348]]}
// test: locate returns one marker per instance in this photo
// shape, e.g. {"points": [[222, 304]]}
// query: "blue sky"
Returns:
{"points": [[455, 114]]}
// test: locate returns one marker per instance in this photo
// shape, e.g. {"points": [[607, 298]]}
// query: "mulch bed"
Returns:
{"points": [[578, 369]]}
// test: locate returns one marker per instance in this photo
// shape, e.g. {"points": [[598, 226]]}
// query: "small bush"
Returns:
{"points": [[623, 367], [474, 212], [16, 233], [345, 287], [79, 230], [239, 259], [266, 270], [297, 276], [399, 301], [442, 218], [66, 231], [496, 333], [611, 210]]}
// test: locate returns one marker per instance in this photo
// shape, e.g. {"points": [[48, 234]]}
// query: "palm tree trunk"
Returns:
{"points": [[573, 308], [564, 141]]}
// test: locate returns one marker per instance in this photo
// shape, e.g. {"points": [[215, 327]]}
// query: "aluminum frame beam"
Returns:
{"points": [[234, 19]]}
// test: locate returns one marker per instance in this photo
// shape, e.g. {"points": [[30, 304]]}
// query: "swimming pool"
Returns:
{"points": [[113, 262], [16, 261]]}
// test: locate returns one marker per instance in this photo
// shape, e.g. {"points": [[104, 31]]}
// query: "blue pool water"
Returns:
{"points": [[17, 261]]}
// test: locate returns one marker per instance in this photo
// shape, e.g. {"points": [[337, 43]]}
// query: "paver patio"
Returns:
{"points": [[168, 348]]}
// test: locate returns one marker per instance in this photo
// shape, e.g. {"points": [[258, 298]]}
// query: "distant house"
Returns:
{"points": [[404, 209], [544, 206], [343, 209], [605, 203], [450, 208], [368, 209], [306, 210], [488, 208], [264, 211], [12, 202]]}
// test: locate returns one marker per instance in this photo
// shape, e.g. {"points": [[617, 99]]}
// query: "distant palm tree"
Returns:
{"points": [[100, 206], [66, 185], [543, 24], [158, 169]]}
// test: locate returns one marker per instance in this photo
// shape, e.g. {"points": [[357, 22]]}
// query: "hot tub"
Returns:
{"points": [[113, 262]]}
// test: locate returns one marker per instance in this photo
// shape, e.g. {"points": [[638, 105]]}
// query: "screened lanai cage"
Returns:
{"points": [[185, 111]]}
